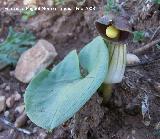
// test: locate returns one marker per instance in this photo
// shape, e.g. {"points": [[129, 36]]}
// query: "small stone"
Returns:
{"points": [[17, 96], [35, 130], [6, 113], [42, 135], [50, 3], [3, 85], [157, 126], [146, 123], [10, 101], [23, 89], [2, 103], [34, 60], [133, 132], [4, 3], [20, 109], [29, 2], [7, 88], [132, 59], [12, 73], [21, 120], [29, 122]]}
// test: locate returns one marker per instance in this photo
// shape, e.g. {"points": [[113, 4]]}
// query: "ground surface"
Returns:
{"points": [[121, 117]]}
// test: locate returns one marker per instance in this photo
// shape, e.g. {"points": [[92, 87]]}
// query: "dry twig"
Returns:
{"points": [[146, 47], [18, 129], [157, 30]]}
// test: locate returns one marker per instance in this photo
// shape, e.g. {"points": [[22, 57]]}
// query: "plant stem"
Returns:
{"points": [[106, 90]]}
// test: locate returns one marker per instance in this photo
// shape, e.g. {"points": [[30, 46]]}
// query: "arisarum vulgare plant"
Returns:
{"points": [[55, 95]]}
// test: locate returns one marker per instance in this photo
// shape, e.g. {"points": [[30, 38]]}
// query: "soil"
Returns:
{"points": [[121, 117]]}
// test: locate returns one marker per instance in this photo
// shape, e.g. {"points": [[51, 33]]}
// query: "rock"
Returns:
{"points": [[3, 85], [21, 120], [29, 2], [17, 96], [35, 60], [147, 123], [35, 129], [20, 109], [157, 126], [10, 101], [7, 88], [12, 73], [132, 59], [6, 113], [42, 135], [2, 103], [29, 122], [50, 3]]}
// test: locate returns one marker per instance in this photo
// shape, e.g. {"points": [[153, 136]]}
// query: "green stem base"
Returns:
{"points": [[106, 90]]}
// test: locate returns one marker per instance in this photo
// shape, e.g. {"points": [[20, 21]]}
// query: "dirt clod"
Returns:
{"points": [[21, 120]]}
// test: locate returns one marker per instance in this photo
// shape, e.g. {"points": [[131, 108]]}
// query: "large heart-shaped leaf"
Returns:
{"points": [[55, 96]]}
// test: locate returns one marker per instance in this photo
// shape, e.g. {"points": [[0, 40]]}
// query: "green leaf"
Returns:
{"points": [[26, 14], [14, 45], [138, 36], [156, 1], [55, 96], [112, 6]]}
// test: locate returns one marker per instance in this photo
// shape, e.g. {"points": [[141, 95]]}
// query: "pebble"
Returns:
{"points": [[21, 120], [29, 2], [157, 126], [29, 122], [7, 88], [42, 135], [17, 96], [2, 103], [3, 85], [35, 130], [6, 114], [20, 109], [146, 123], [132, 59], [50, 3], [10, 101], [12, 73], [4, 3]]}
